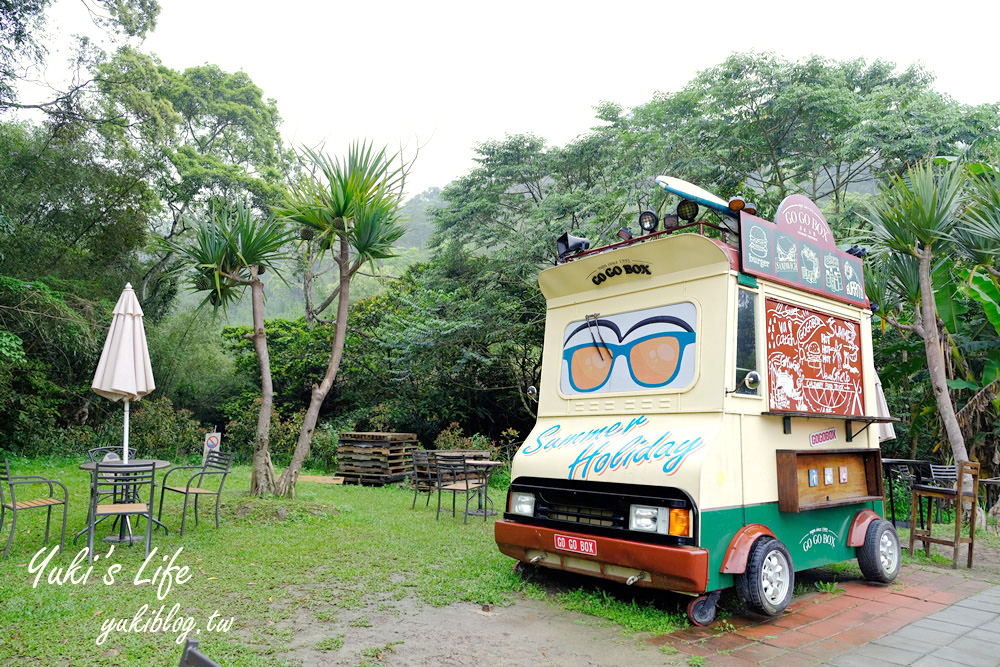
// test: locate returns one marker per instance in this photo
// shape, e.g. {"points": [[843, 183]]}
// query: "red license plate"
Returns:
{"points": [[576, 544]]}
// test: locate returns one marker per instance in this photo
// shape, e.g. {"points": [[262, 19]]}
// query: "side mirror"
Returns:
{"points": [[751, 380], [533, 393]]}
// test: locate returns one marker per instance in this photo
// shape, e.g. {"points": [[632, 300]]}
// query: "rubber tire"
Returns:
{"points": [[701, 612], [748, 584], [869, 556]]}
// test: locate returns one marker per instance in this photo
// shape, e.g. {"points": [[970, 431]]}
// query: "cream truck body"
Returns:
{"points": [[702, 446]]}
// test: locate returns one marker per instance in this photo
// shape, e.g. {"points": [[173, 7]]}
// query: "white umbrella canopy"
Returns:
{"points": [[124, 371], [885, 429]]}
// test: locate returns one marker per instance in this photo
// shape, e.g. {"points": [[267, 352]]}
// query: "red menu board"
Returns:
{"points": [[813, 362]]}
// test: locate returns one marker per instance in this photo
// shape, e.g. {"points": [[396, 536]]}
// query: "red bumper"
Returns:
{"points": [[669, 568]]}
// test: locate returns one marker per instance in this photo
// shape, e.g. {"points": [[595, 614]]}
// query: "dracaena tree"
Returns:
{"points": [[228, 254], [348, 208], [917, 222]]}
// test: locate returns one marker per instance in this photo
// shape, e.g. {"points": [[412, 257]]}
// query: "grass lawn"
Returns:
{"points": [[333, 547]]}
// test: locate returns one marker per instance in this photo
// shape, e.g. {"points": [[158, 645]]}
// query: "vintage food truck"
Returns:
{"points": [[704, 411]]}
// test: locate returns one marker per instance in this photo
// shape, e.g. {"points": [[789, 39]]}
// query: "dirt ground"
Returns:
{"points": [[528, 633]]}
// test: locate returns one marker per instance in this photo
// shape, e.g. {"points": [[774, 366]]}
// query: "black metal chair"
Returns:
{"points": [[192, 657], [16, 506], [456, 476], [123, 484], [424, 475], [216, 465], [106, 454]]}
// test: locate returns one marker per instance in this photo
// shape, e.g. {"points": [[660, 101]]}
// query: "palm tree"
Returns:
{"points": [[349, 208], [917, 220], [229, 253]]}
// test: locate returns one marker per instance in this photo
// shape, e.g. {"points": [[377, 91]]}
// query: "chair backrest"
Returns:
{"points": [[218, 461], [6, 478], [192, 657], [102, 454], [451, 467], [946, 473], [423, 466], [117, 476]]}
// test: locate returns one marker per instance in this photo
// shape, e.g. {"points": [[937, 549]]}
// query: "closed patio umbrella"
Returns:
{"points": [[124, 371], [885, 429]]}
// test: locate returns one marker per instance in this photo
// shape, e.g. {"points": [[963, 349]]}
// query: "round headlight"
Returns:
{"points": [[648, 220]]}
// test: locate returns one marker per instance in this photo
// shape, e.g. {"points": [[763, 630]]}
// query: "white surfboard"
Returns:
{"points": [[693, 192]]}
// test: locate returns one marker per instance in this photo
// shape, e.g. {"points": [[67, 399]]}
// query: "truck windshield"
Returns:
{"points": [[746, 338]]}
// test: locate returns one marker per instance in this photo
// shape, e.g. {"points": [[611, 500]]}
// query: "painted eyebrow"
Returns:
{"points": [[659, 319], [601, 323]]}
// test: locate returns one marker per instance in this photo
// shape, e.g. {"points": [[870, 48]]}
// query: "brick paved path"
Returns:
{"points": [[967, 633], [820, 627]]}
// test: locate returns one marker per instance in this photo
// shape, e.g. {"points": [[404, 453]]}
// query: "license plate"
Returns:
{"points": [[576, 544]]}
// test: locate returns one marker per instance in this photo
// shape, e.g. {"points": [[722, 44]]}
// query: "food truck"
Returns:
{"points": [[704, 410]]}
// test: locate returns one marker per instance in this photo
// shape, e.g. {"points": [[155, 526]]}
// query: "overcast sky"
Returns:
{"points": [[447, 75]]}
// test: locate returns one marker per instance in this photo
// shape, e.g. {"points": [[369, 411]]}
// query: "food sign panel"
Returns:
{"points": [[813, 362], [798, 249]]}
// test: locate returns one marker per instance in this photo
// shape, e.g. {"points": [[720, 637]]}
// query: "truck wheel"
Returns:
{"points": [[879, 557], [767, 584]]}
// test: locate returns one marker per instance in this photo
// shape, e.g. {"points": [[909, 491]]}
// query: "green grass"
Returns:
{"points": [[329, 550]]}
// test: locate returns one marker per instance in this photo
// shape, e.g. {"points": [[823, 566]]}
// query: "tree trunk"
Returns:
{"points": [[286, 483], [262, 476], [935, 361], [307, 286]]}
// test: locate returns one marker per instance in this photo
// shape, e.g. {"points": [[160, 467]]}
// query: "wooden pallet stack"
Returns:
{"points": [[375, 459]]}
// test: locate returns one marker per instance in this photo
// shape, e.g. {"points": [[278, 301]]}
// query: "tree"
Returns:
{"points": [[916, 219], [350, 208], [228, 254]]}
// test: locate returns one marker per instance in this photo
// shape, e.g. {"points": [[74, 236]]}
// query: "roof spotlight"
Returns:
{"points": [[750, 208], [737, 203], [671, 221], [625, 234], [648, 220], [858, 251], [687, 210]]}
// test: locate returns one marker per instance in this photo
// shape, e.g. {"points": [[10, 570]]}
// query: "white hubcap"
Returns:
{"points": [[888, 552], [774, 577]]}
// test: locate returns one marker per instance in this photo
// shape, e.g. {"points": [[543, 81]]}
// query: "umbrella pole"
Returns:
{"points": [[125, 444]]}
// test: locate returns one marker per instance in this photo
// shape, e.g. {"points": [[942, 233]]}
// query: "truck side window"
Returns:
{"points": [[746, 338]]}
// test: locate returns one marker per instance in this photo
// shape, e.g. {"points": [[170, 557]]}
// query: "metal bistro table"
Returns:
{"points": [[914, 465], [122, 538], [489, 465]]}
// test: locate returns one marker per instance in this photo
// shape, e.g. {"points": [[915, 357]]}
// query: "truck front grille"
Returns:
{"points": [[599, 508]]}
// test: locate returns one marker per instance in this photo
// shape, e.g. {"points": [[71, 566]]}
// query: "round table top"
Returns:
{"points": [[160, 463]]}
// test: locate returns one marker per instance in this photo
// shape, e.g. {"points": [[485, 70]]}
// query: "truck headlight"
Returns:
{"points": [[648, 519], [522, 503]]}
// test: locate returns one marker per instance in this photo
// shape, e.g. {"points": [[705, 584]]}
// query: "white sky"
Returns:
{"points": [[446, 75]]}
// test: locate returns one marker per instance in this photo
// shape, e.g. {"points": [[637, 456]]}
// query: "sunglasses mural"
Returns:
{"points": [[706, 394]]}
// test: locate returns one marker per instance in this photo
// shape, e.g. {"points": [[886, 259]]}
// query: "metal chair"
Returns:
{"points": [[424, 475], [106, 454], [957, 494], [192, 657], [16, 506], [216, 465], [123, 484], [456, 476]]}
